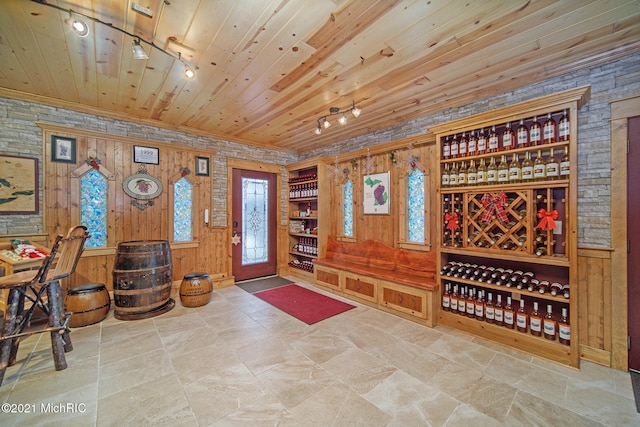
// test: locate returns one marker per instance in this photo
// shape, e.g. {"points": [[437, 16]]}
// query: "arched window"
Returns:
{"points": [[93, 207], [347, 208], [182, 211], [415, 207]]}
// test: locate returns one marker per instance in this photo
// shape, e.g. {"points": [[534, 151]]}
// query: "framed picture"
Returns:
{"points": [[202, 166], [376, 194], [148, 155], [18, 185], [63, 149]]}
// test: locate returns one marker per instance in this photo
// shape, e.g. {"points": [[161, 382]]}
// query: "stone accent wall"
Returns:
{"points": [[20, 136], [609, 82], [612, 81]]}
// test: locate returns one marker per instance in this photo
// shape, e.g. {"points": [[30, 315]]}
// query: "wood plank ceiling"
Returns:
{"points": [[266, 70]]}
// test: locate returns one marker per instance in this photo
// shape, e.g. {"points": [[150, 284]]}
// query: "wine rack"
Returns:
{"points": [[514, 225]]}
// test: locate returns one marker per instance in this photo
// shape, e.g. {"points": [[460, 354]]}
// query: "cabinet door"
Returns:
{"points": [[328, 277], [403, 298], [361, 287]]}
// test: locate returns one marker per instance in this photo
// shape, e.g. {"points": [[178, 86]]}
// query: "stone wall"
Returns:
{"points": [[609, 82]]}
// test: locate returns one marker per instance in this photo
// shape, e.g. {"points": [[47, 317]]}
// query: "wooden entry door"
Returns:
{"points": [[633, 236], [254, 239]]}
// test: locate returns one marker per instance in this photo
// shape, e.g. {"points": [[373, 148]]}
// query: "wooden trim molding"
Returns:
{"points": [[621, 111]]}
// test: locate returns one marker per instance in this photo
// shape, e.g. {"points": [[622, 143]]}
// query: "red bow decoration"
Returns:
{"points": [[547, 219], [494, 206], [452, 221]]}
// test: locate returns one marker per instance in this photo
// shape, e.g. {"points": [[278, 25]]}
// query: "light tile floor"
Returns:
{"points": [[240, 361]]}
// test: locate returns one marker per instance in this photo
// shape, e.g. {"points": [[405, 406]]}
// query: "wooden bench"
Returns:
{"points": [[399, 281]]}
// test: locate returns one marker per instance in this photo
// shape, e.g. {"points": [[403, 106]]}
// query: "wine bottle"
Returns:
{"points": [[445, 175], [480, 306], [522, 318], [473, 144], [462, 174], [544, 286], [525, 279], [541, 251], [489, 309], [503, 171], [549, 324], [539, 168], [535, 321], [481, 173], [471, 303], [446, 298], [462, 301], [498, 312], [482, 142], [565, 164], [564, 128], [455, 147], [507, 137], [533, 285], [509, 315], [565, 291], [527, 168], [454, 299], [493, 141], [515, 169], [453, 175], [522, 135], [552, 166], [535, 132], [492, 172], [564, 328], [472, 174], [555, 288], [549, 130], [446, 149], [463, 145]]}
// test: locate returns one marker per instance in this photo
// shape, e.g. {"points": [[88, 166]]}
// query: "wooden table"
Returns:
{"points": [[11, 265]]}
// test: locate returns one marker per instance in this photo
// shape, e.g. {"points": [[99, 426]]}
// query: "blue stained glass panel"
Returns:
{"points": [[347, 208], [93, 207], [415, 193], [182, 211]]}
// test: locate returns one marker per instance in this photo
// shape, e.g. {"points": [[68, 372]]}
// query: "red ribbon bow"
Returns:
{"points": [[547, 219], [494, 206], [452, 221]]}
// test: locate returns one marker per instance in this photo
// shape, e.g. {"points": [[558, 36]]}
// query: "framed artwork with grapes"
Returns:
{"points": [[376, 194]]}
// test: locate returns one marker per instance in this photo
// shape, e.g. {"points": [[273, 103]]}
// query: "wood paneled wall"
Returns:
{"points": [[126, 222], [383, 227]]}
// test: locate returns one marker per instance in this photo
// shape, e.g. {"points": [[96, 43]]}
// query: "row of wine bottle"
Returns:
{"points": [[305, 265], [305, 177], [479, 142], [298, 191], [472, 303], [504, 277], [507, 172]]}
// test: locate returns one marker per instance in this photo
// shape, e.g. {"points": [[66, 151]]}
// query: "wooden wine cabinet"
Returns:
{"points": [[521, 226]]}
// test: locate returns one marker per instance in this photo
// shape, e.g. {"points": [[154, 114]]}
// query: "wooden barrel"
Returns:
{"points": [[88, 304], [195, 289], [142, 276]]}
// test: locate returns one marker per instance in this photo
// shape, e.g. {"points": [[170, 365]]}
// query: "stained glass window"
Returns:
{"points": [[347, 208], [415, 206], [255, 219], [182, 211], [93, 207]]}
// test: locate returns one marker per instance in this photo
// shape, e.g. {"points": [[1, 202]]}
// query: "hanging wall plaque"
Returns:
{"points": [[142, 187]]}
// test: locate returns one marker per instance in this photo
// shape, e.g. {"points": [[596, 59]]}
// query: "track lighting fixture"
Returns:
{"points": [[323, 122], [80, 27], [138, 51]]}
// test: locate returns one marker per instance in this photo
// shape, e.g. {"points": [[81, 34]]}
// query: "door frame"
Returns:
{"points": [[232, 164], [621, 111]]}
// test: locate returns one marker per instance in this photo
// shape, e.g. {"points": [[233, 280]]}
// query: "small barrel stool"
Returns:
{"points": [[195, 289], [88, 304]]}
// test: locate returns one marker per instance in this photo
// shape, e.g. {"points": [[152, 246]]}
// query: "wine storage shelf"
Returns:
{"points": [[523, 223]]}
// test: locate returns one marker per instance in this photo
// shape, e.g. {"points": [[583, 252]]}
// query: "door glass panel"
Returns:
{"points": [[255, 218]]}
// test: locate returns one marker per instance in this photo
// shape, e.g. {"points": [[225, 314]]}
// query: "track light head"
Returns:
{"points": [[188, 72], [78, 26], [138, 51], [334, 111]]}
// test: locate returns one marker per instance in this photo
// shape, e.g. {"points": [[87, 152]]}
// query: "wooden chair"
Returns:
{"points": [[34, 286]]}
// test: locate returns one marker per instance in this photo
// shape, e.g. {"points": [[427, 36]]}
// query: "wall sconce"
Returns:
{"points": [[334, 111]]}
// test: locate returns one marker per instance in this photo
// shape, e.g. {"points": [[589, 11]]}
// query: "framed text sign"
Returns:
{"points": [[148, 155]]}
